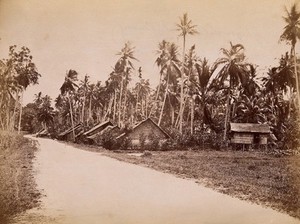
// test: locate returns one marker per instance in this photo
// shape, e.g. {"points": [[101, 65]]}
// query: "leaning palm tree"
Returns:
{"points": [[234, 73], [67, 88], [291, 34], [185, 27]]}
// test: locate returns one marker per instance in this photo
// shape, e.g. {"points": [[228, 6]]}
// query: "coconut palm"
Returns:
{"points": [[203, 89], [83, 90], [233, 74], [67, 88], [170, 68], [123, 68], [291, 34], [185, 27], [45, 112], [160, 61]]}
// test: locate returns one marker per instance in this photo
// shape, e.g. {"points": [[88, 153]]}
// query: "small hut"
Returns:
{"points": [[249, 133], [147, 130], [68, 134]]}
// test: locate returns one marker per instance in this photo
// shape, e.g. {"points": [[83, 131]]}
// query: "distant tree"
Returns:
{"points": [[123, 68], [83, 91], [67, 88], [170, 67], [234, 72], [25, 72], [291, 34], [45, 112], [185, 27]]}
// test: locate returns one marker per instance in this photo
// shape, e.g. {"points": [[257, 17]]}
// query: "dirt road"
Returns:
{"points": [[83, 187]]}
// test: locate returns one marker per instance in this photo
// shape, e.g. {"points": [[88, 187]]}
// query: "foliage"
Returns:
{"points": [[291, 139], [16, 74], [194, 100]]}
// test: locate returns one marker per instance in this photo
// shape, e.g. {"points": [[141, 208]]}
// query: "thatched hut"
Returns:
{"points": [[147, 131], [249, 133]]}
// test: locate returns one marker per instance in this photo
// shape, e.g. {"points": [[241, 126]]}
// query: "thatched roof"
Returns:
{"points": [[70, 130], [250, 127], [100, 126], [105, 130], [141, 123]]}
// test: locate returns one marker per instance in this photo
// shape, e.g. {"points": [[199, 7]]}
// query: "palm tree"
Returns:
{"points": [[124, 68], [45, 112], [83, 90], [67, 88], [233, 74], [38, 98], [291, 34], [185, 28], [162, 53], [203, 87], [170, 68], [279, 81]]}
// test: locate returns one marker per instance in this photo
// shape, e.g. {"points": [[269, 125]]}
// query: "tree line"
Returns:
{"points": [[193, 95]]}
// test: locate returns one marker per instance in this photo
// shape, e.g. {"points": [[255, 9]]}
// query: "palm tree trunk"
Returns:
{"points": [[296, 76], [157, 94], [82, 109], [115, 105], [125, 102], [181, 88], [146, 102], [90, 110], [120, 104], [164, 102], [72, 120], [136, 105], [192, 116], [227, 115]]}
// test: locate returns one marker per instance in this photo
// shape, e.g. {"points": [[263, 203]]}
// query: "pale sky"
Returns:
{"points": [[85, 35]]}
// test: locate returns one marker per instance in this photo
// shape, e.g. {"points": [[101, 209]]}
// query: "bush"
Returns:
{"points": [[125, 144], [291, 140]]}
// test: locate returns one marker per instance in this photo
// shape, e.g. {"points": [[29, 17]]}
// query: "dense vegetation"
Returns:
{"points": [[194, 97]]}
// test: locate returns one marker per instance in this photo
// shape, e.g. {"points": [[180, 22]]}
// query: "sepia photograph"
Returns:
{"points": [[149, 112]]}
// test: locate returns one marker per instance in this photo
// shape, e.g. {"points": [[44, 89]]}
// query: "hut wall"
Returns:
{"points": [[148, 130], [249, 138], [242, 138]]}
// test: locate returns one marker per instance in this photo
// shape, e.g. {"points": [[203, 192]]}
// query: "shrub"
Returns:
{"points": [[125, 144], [291, 140]]}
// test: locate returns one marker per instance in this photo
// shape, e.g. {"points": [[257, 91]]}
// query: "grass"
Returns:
{"points": [[17, 186], [271, 180]]}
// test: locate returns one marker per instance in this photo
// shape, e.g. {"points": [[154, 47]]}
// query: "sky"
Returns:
{"points": [[86, 35]]}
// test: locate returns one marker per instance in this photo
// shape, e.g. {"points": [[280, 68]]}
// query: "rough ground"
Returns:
{"points": [[263, 178], [17, 184]]}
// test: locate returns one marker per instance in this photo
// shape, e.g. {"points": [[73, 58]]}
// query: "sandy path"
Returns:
{"points": [[88, 188]]}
